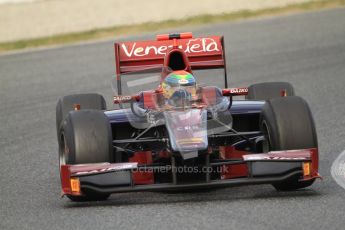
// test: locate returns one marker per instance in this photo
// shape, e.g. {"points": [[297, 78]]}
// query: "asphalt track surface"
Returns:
{"points": [[307, 50]]}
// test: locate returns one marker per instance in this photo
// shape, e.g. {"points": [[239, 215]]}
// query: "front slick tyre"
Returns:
{"points": [[288, 124], [85, 137]]}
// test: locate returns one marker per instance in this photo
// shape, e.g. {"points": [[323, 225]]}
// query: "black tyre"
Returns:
{"points": [[86, 137], [269, 90], [86, 101], [288, 124]]}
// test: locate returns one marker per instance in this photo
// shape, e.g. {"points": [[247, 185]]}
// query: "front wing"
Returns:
{"points": [[265, 168]]}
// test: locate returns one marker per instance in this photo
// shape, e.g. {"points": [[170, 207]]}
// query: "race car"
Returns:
{"points": [[177, 126]]}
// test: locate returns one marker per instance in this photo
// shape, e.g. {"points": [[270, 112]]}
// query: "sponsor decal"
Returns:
{"points": [[266, 157], [188, 128], [122, 98], [198, 45], [183, 81], [238, 90], [114, 167]]}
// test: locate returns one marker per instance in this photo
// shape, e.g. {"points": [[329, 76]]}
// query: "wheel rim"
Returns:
{"points": [[62, 151], [266, 144]]}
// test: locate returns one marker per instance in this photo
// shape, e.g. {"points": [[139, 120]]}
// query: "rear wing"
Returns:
{"points": [[202, 53]]}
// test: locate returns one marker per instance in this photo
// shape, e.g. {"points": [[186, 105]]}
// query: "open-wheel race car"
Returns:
{"points": [[177, 126]]}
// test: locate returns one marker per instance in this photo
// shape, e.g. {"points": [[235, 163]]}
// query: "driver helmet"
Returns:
{"points": [[178, 81]]}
